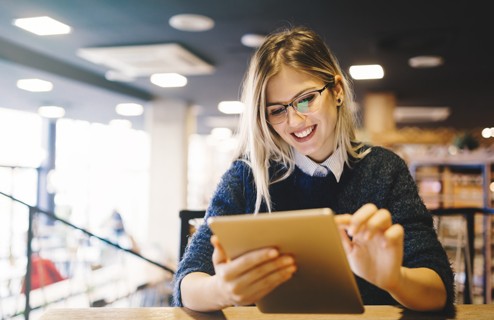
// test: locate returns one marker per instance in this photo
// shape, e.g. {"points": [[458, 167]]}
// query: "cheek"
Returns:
{"points": [[278, 129], [331, 116]]}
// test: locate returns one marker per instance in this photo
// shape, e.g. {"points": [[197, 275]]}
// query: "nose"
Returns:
{"points": [[294, 118]]}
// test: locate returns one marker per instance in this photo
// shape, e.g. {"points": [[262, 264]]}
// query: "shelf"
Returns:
{"points": [[461, 182]]}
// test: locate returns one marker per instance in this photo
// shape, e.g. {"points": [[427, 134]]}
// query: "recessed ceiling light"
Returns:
{"points": [[486, 133], [168, 80], [425, 61], [366, 72], [52, 112], [252, 40], [129, 109], [34, 85], [231, 107], [42, 26], [191, 22]]}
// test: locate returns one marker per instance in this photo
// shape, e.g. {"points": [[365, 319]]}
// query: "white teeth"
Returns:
{"points": [[304, 133]]}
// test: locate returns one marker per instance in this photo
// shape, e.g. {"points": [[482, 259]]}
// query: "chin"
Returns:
{"points": [[311, 154]]}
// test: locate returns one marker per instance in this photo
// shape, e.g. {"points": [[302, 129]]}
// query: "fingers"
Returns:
{"points": [[285, 264], [345, 240], [257, 263], [394, 236], [369, 221], [378, 223], [373, 244], [252, 275], [250, 260], [360, 217], [258, 282], [269, 283], [219, 254], [343, 220]]}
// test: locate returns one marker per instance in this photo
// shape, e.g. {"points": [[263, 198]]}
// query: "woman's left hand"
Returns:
{"points": [[374, 245]]}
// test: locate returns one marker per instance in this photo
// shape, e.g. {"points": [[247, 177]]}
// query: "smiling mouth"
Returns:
{"points": [[304, 133]]}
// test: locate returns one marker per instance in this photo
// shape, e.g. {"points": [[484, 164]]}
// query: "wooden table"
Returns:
{"points": [[472, 311]]}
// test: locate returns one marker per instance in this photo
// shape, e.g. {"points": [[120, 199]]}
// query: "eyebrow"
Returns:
{"points": [[269, 104]]}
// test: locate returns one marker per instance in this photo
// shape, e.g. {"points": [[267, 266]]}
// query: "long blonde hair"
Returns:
{"points": [[301, 49]]}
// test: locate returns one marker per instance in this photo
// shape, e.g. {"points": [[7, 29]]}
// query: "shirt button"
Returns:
{"points": [[321, 172]]}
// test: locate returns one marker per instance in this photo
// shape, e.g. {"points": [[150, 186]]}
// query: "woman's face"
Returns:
{"points": [[312, 134]]}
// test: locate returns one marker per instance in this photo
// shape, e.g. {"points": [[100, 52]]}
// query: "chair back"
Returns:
{"points": [[186, 229]]}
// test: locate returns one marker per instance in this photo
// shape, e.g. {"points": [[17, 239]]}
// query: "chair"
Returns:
{"points": [[468, 213], [186, 229]]}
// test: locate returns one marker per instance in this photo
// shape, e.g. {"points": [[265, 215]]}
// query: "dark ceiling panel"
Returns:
{"points": [[382, 31]]}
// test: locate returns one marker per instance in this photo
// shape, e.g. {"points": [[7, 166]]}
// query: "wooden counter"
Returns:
{"points": [[472, 311]]}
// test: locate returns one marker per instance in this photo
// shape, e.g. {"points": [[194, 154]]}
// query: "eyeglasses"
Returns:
{"points": [[304, 103]]}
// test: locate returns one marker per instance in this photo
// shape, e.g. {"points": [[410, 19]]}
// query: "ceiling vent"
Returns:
{"points": [[145, 60]]}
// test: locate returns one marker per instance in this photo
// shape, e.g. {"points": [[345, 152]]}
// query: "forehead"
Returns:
{"points": [[288, 83]]}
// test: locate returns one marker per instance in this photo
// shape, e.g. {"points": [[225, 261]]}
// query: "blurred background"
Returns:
{"points": [[131, 107]]}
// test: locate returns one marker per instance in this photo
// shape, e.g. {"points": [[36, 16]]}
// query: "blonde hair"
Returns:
{"points": [[303, 50]]}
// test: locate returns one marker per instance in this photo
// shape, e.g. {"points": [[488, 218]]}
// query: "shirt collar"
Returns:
{"points": [[334, 163]]}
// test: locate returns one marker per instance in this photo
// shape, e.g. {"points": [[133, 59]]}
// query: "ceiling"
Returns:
{"points": [[359, 32]]}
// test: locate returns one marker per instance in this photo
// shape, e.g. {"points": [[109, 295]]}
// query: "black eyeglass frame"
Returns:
{"points": [[286, 106]]}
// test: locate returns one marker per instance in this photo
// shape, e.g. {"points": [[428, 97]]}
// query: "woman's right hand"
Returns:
{"points": [[249, 277]]}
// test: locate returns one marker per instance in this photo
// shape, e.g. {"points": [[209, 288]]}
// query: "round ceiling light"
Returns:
{"points": [[168, 80], [231, 107], [129, 109], [252, 40], [425, 61], [191, 22]]}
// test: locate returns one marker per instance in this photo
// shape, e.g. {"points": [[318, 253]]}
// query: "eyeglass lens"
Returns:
{"points": [[303, 104]]}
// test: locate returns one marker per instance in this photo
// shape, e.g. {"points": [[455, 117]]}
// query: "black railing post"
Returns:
{"points": [[469, 260], [27, 279]]}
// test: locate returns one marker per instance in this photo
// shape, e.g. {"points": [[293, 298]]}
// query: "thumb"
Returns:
{"points": [[343, 221], [219, 255], [345, 240]]}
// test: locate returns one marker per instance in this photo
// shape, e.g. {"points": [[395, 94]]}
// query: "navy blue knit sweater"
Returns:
{"points": [[381, 178]]}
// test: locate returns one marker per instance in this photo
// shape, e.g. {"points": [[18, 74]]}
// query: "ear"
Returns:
{"points": [[338, 92]]}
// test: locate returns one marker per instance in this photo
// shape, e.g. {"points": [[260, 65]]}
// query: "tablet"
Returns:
{"points": [[323, 282]]}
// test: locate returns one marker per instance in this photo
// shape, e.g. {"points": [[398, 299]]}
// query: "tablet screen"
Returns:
{"points": [[323, 282]]}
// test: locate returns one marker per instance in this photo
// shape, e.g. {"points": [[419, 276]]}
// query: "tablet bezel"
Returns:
{"points": [[323, 282]]}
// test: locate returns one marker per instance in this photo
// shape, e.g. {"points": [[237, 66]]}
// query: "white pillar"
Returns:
{"points": [[167, 125]]}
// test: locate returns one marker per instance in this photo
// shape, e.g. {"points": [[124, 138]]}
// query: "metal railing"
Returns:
{"points": [[33, 212]]}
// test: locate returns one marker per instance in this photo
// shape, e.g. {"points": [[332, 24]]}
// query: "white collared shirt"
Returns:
{"points": [[334, 164]]}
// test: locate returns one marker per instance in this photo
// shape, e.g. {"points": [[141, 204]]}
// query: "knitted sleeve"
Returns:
{"points": [[229, 198], [421, 244]]}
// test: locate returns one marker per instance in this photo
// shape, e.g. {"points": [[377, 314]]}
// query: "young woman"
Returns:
{"points": [[298, 150]]}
